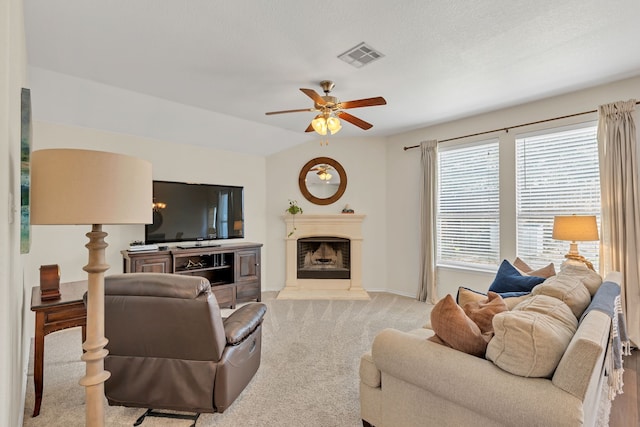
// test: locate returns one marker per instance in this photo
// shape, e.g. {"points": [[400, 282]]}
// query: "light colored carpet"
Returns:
{"points": [[308, 376]]}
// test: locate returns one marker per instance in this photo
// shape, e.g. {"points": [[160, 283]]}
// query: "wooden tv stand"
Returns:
{"points": [[232, 269]]}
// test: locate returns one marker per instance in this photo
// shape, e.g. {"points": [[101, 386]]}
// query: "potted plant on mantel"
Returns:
{"points": [[293, 209]]}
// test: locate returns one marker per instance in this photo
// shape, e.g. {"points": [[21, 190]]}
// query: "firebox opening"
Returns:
{"points": [[324, 258]]}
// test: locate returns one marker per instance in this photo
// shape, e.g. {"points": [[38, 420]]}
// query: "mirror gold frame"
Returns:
{"points": [[302, 180]]}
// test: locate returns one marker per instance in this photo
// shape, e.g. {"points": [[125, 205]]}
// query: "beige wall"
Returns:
{"points": [[403, 171], [13, 345], [64, 245], [364, 162]]}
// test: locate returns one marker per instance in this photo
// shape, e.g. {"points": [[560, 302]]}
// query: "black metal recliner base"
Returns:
{"points": [[151, 413]]}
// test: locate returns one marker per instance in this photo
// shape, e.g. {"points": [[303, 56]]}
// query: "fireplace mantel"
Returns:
{"points": [[348, 226]]}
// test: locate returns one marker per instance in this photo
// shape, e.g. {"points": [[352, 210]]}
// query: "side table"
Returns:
{"points": [[68, 311]]}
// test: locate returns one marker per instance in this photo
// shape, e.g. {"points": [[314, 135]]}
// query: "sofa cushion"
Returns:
{"points": [[509, 279], [453, 327], [482, 312], [546, 271], [568, 289], [589, 278], [530, 339]]}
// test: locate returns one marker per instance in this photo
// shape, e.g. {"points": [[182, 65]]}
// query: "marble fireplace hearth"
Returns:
{"points": [[335, 226]]}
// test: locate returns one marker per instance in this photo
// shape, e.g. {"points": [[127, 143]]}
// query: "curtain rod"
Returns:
{"points": [[506, 129]]}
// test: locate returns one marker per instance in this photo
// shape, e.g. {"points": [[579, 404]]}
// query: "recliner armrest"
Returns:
{"points": [[242, 322]]}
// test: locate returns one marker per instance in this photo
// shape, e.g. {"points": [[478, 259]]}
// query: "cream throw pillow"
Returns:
{"points": [[589, 278], [530, 340], [568, 289]]}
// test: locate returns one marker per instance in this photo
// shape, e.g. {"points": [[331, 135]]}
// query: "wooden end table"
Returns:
{"points": [[68, 311]]}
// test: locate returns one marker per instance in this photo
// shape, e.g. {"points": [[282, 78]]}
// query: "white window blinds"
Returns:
{"points": [[468, 204], [556, 174]]}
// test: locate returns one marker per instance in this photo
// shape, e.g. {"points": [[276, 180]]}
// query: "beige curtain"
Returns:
{"points": [[620, 222], [428, 203]]}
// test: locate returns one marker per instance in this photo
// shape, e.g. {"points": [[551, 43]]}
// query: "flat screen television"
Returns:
{"points": [[184, 212]]}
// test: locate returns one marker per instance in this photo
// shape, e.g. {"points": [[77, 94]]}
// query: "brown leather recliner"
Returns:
{"points": [[169, 347]]}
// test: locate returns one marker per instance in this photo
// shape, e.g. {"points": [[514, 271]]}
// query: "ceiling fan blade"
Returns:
{"points": [[354, 120], [309, 128], [289, 111], [367, 102], [313, 95]]}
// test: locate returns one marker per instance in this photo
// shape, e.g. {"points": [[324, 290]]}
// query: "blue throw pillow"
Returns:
{"points": [[508, 279]]}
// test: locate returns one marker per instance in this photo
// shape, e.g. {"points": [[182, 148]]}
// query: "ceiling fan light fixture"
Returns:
{"points": [[333, 123], [325, 176], [319, 124]]}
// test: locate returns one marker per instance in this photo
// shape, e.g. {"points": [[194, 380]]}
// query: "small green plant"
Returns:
{"points": [[293, 209]]}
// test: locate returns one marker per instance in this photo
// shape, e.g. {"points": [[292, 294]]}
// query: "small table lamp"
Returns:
{"points": [[70, 186], [575, 228]]}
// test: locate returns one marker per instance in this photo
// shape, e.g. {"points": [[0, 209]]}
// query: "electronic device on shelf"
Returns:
{"points": [[140, 246], [185, 212], [197, 246]]}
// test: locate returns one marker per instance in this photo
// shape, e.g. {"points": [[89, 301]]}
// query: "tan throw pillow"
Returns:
{"points": [[545, 272], [530, 340], [452, 326], [482, 312], [589, 278], [568, 289], [521, 265], [466, 295]]}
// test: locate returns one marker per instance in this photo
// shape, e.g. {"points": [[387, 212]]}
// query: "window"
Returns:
{"points": [[468, 205], [557, 173]]}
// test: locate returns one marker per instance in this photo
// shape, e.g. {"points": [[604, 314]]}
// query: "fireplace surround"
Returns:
{"points": [[338, 270]]}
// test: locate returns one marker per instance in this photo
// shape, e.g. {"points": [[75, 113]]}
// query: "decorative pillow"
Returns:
{"points": [[482, 312], [511, 299], [589, 278], [466, 295], [546, 271], [453, 327], [568, 289], [521, 265], [511, 302], [530, 340], [509, 279]]}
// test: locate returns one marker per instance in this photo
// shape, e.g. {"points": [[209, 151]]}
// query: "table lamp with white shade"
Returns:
{"points": [[575, 228], [73, 186]]}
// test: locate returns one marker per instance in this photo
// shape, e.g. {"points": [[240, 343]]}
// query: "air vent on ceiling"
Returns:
{"points": [[360, 55]]}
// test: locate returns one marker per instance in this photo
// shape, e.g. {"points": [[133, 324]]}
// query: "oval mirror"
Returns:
{"points": [[322, 181]]}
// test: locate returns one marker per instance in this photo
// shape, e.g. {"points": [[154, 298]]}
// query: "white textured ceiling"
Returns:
{"points": [[443, 59]]}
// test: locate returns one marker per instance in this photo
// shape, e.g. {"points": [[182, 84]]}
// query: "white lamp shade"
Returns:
{"points": [[576, 228], [71, 186]]}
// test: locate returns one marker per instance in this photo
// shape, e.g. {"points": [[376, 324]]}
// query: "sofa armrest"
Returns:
{"points": [[472, 382], [369, 373], [242, 322]]}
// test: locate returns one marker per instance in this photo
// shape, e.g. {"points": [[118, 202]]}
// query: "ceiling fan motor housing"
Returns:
{"points": [[331, 103]]}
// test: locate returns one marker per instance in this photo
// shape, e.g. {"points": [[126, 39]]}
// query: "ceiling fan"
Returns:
{"points": [[331, 110], [323, 172]]}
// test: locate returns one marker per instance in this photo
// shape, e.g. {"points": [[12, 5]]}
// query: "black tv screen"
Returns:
{"points": [[185, 212]]}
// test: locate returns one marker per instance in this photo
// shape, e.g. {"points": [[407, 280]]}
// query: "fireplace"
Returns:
{"points": [[324, 258]]}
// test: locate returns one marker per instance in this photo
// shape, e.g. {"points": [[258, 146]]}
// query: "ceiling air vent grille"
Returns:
{"points": [[361, 55]]}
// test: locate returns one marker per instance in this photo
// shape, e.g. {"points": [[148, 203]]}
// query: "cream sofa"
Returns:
{"points": [[407, 380]]}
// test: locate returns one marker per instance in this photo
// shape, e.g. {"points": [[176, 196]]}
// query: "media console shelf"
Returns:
{"points": [[233, 270]]}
